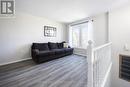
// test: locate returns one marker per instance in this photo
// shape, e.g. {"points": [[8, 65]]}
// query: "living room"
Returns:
{"points": [[66, 26]]}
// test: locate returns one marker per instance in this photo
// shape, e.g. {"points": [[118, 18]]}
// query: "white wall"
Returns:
{"points": [[119, 35], [17, 34], [100, 29]]}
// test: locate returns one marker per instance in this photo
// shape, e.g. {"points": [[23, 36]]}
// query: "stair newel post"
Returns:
{"points": [[90, 63]]}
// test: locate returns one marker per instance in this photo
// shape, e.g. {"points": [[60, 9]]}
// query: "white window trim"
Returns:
{"points": [[80, 40]]}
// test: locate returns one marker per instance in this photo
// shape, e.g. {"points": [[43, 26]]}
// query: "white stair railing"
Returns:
{"points": [[99, 64]]}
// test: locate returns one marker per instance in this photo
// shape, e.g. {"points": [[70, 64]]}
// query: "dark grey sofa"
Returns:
{"points": [[42, 52]]}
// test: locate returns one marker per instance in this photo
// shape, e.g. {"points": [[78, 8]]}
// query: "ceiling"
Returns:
{"points": [[67, 10]]}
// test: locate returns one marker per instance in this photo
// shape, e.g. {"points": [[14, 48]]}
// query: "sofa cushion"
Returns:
{"points": [[68, 49], [52, 45], [46, 53], [58, 51], [41, 46], [60, 45]]}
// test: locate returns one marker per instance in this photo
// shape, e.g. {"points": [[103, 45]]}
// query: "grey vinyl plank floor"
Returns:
{"points": [[69, 71]]}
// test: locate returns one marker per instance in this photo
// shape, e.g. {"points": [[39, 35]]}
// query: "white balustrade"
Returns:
{"points": [[99, 63]]}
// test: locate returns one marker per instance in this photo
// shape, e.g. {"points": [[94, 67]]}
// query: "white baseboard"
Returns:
{"points": [[80, 54], [14, 61], [80, 51]]}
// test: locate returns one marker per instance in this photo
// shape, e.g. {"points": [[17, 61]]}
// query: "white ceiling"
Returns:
{"points": [[67, 10]]}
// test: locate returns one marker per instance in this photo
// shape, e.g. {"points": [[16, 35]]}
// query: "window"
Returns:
{"points": [[79, 35], [75, 36]]}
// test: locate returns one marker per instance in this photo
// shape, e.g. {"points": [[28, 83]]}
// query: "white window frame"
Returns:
{"points": [[70, 34]]}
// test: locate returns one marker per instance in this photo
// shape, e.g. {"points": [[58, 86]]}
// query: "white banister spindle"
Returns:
{"points": [[90, 63]]}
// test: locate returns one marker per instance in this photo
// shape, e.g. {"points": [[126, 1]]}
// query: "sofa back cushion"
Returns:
{"points": [[41, 46], [60, 45], [53, 45]]}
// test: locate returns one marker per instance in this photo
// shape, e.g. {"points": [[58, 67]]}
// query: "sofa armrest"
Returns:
{"points": [[35, 51], [69, 47]]}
